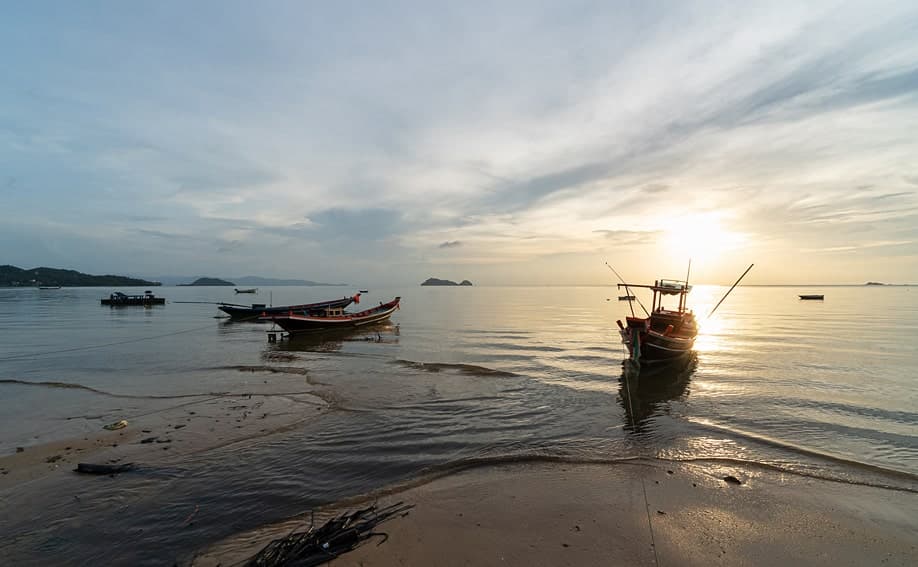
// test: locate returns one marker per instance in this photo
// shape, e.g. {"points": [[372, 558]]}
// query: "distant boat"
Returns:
{"points": [[243, 312], [49, 287], [814, 296], [118, 299], [626, 298], [250, 290], [334, 318], [364, 291]]}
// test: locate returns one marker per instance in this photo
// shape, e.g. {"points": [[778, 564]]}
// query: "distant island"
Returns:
{"points": [[436, 281], [11, 276], [209, 281], [247, 281], [874, 283]]}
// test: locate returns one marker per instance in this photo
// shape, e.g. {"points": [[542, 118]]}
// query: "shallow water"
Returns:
{"points": [[460, 375]]}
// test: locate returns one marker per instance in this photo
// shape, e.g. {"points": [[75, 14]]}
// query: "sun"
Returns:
{"points": [[700, 236]]}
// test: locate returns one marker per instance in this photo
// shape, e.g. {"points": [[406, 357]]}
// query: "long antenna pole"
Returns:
{"points": [[628, 291], [729, 290], [682, 297]]}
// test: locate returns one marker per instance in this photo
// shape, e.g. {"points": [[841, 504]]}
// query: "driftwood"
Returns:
{"points": [[316, 546], [90, 468]]}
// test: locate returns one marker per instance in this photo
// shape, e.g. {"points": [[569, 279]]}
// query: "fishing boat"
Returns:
{"points": [[333, 318], [49, 287], [118, 299], [812, 296], [665, 334], [626, 298], [256, 310], [364, 291], [251, 290]]}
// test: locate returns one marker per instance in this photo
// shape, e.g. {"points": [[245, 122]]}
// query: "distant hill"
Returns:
{"points": [[253, 281], [436, 281], [874, 283], [11, 276], [210, 281], [259, 281]]}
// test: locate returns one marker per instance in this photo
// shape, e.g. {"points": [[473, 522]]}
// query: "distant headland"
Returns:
{"points": [[248, 281], [436, 281], [209, 281], [11, 276]]}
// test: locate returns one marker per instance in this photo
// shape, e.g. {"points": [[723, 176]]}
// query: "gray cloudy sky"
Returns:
{"points": [[500, 142]]}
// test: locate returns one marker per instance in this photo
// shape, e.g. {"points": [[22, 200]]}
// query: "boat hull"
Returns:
{"points": [[664, 337], [294, 323], [241, 313]]}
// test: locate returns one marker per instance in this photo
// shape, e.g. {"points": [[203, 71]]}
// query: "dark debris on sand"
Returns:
{"points": [[316, 546]]}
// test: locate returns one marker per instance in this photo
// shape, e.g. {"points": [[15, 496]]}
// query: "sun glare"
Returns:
{"points": [[700, 237]]}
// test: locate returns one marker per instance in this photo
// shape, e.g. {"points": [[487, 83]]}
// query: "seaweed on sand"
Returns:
{"points": [[316, 546]]}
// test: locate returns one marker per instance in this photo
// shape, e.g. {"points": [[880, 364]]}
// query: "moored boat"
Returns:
{"points": [[665, 334], [333, 318], [250, 290], [118, 299], [812, 296], [242, 312], [626, 298]]}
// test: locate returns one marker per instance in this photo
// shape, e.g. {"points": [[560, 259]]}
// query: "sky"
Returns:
{"points": [[502, 142]]}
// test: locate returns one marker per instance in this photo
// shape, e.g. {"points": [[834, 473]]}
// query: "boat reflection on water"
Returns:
{"points": [[333, 340], [647, 392]]}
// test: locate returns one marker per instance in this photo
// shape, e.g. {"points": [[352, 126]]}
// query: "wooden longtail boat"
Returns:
{"points": [[665, 335], [333, 318], [241, 312]]}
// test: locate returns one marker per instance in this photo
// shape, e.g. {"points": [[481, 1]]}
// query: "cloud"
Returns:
{"points": [[507, 135]]}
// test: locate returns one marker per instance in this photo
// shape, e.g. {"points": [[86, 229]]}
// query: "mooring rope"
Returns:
{"points": [[91, 347], [653, 544]]}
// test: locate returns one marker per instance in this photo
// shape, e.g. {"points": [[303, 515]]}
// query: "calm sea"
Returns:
{"points": [[501, 373]]}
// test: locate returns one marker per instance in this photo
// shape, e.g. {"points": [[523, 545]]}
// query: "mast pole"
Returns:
{"points": [[729, 290]]}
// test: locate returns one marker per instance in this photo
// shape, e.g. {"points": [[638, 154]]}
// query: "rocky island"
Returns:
{"points": [[11, 276], [209, 281], [436, 281]]}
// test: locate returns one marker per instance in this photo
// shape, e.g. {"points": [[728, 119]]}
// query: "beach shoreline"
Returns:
{"points": [[633, 512]]}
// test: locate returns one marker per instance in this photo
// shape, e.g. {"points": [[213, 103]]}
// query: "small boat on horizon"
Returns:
{"points": [[49, 287], [333, 318], [812, 297], [364, 291], [626, 298], [244, 312], [250, 290]]}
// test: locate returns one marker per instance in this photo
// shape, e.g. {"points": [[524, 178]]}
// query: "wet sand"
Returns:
{"points": [[165, 436], [641, 512]]}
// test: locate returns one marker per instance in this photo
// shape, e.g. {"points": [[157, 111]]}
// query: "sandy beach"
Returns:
{"points": [[577, 514]]}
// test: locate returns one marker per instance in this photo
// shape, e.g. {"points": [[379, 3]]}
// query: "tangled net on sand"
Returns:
{"points": [[316, 546]]}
